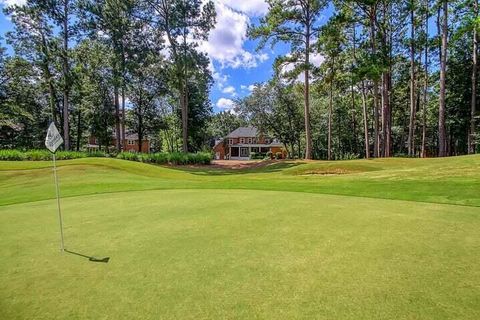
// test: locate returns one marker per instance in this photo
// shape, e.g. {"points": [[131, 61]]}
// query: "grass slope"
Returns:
{"points": [[443, 180], [216, 252]]}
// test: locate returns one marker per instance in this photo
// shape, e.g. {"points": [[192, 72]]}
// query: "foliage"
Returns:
{"points": [[174, 158], [42, 155]]}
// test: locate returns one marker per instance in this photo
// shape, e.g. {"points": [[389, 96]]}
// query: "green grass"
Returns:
{"points": [[378, 239]]}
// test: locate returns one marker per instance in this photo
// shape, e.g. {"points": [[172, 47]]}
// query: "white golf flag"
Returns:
{"points": [[53, 139]]}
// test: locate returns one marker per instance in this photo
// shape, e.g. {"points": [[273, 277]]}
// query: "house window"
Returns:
{"points": [[230, 141], [249, 140], [267, 141], [242, 140]]}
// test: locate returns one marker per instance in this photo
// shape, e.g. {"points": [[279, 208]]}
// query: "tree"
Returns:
{"points": [[295, 22], [411, 126], [184, 23], [423, 152], [146, 87], [442, 138], [473, 110], [33, 40], [330, 45], [93, 92], [273, 108], [113, 22], [60, 11], [224, 122]]}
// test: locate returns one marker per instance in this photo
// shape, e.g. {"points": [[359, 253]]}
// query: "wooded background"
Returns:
{"points": [[398, 78]]}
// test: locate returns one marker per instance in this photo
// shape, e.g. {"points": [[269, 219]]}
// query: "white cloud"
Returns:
{"points": [[250, 7], [316, 59], [229, 90], [9, 3], [225, 42], [225, 104], [249, 88]]}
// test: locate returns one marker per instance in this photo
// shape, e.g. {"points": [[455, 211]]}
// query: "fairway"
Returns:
{"points": [[382, 239]]}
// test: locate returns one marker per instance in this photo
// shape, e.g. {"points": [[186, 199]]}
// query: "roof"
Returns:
{"points": [[243, 132], [131, 136]]}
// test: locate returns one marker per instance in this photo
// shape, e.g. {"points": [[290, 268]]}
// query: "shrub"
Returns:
{"points": [[65, 155], [11, 155], [269, 154], [159, 158], [39, 155], [347, 156], [175, 158], [278, 155], [128, 156]]}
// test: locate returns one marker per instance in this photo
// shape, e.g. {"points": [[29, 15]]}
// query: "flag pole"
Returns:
{"points": [[58, 202]]}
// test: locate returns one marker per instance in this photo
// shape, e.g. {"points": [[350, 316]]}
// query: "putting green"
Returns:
{"points": [[230, 254]]}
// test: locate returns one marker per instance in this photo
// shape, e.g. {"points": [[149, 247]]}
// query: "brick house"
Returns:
{"points": [[130, 143], [242, 142]]}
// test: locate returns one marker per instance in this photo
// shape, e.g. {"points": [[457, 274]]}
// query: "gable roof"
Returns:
{"points": [[243, 132]]}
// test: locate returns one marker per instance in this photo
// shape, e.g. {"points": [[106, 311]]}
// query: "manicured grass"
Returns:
{"points": [[325, 240]]}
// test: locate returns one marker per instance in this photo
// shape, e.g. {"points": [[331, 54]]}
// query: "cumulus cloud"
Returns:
{"points": [[316, 59], [226, 41], [229, 90], [225, 104], [9, 3], [250, 7]]}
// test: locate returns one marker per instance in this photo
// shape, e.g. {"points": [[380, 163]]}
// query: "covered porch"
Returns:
{"points": [[242, 152]]}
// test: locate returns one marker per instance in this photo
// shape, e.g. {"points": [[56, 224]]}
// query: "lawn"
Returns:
{"points": [[377, 239]]}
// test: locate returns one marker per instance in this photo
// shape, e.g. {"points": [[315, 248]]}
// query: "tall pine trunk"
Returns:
{"points": [[330, 112], [308, 134], [442, 138], [184, 94], [365, 120], [384, 144], [184, 107], [411, 126], [473, 111], [425, 88], [123, 117], [123, 97], [117, 118], [376, 142], [352, 84], [66, 126], [79, 129]]}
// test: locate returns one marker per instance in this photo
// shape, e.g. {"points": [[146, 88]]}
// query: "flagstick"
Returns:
{"points": [[58, 201]]}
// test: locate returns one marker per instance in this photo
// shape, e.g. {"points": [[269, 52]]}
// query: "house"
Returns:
{"points": [[129, 144], [242, 142]]}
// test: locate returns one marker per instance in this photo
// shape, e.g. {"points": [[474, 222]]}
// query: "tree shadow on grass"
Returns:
{"points": [[92, 259]]}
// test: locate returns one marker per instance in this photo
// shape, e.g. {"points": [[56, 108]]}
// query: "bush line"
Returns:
{"points": [[175, 158]]}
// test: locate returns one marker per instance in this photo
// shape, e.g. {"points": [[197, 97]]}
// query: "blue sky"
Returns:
{"points": [[235, 63]]}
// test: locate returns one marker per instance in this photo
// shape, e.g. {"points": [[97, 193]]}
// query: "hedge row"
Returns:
{"points": [[38, 155], [176, 158]]}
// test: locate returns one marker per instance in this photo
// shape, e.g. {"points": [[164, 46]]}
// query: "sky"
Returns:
{"points": [[236, 65]]}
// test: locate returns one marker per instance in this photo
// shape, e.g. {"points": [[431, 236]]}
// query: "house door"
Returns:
{"points": [[244, 152]]}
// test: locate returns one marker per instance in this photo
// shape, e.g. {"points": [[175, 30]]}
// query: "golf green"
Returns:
{"points": [[213, 251]]}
